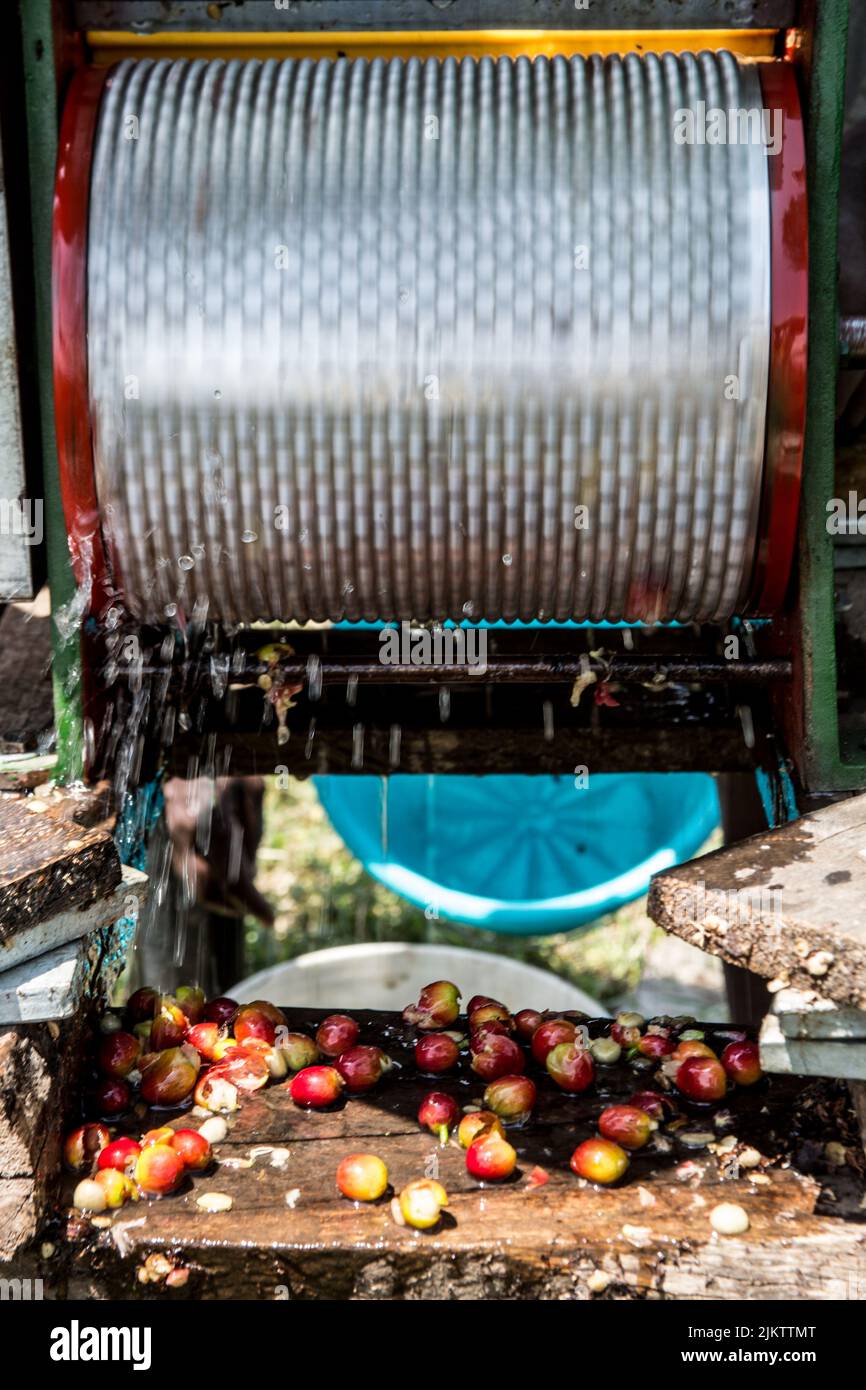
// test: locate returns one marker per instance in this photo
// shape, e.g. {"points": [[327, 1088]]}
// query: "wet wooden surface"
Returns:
{"points": [[789, 904], [289, 1234], [48, 864]]}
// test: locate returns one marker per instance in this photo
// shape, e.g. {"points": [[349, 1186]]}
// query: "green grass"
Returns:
{"points": [[324, 898]]}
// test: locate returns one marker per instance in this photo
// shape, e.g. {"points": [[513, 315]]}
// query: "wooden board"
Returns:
{"points": [[70, 925], [810, 1056], [58, 984], [808, 1017], [789, 905], [48, 865], [290, 1235]]}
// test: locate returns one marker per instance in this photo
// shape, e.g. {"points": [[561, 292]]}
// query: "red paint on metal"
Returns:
{"points": [[786, 398], [69, 312], [71, 398]]}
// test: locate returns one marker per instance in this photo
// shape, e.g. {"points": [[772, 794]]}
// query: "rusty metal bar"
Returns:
{"points": [[518, 669]]}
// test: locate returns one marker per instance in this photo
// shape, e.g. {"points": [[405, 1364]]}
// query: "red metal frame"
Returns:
{"points": [[85, 539], [789, 304], [69, 315]]}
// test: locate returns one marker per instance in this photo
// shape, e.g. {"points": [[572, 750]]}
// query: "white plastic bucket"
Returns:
{"points": [[389, 975]]}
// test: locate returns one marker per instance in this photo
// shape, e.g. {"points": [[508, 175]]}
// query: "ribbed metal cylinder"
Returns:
{"points": [[428, 339]]}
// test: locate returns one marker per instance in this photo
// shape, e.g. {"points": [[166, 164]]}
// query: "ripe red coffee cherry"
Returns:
{"points": [[316, 1087], [439, 1113], [436, 1053], [742, 1062], [490, 1157], [626, 1125], [336, 1034], [549, 1035], [599, 1160], [362, 1177], [438, 1006], [570, 1066], [497, 1056], [702, 1079], [361, 1067]]}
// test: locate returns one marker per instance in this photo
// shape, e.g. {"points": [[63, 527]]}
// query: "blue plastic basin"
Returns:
{"points": [[527, 855]]}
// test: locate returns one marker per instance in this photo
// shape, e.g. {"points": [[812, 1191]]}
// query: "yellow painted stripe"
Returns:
{"points": [[109, 45]]}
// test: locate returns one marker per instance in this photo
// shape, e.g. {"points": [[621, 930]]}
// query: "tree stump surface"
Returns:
{"points": [[789, 904], [289, 1233], [48, 864]]}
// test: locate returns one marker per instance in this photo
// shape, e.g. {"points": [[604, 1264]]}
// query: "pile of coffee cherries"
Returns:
{"points": [[685, 1064], [166, 1051]]}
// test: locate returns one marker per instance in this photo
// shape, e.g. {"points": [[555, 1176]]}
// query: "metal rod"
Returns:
{"points": [[852, 342], [519, 669]]}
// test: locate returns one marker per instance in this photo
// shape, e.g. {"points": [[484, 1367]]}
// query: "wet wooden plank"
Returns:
{"points": [[810, 1056], [810, 1017], [48, 864], [71, 925], [289, 1234], [789, 904]]}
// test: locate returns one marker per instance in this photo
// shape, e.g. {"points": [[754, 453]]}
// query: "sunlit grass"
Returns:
{"points": [[323, 897]]}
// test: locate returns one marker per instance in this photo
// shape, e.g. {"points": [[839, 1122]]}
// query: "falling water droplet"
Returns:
{"points": [[308, 746], [547, 714], [186, 562], [219, 673], [168, 725], [507, 559], [444, 703], [170, 610], [314, 677], [282, 734], [468, 607], [352, 690], [217, 395], [166, 651], [248, 537], [394, 740], [358, 745]]}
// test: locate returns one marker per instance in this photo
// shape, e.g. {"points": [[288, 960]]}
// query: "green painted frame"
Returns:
{"points": [[39, 59], [825, 765]]}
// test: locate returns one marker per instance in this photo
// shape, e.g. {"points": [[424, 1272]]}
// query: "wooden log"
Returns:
{"points": [[20, 1210], [68, 926], [288, 1234], [55, 985], [858, 1099], [811, 1017], [39, 1068], [789, 904], [810, 1056], [48, 865]]}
